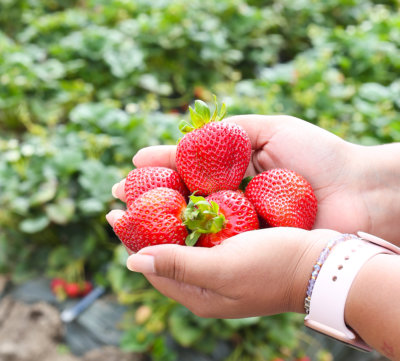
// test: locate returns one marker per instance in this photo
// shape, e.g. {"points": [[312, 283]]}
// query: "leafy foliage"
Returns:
{"points": [[84, 85]]}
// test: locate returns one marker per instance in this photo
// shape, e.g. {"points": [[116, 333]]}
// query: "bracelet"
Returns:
{"points": [[317, 267]]}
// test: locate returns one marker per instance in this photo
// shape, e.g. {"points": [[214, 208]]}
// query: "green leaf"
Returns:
{"points": [[62, 211], [202, 217], [185, 127], [98, 179], [183, 330], [137, 340], [192, 238], [91, 206], [202, 110], [34, 225], [196, 119], [241, 322], [45, 193], [244, 183]]}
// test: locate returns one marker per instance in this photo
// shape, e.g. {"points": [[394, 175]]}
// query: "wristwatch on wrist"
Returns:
{"points": [[332, 285]]}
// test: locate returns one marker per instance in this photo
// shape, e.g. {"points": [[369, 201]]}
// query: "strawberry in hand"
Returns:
{"points": [[212, 155], [141, 180], [283, 198], [153, 218], [217, 217]]}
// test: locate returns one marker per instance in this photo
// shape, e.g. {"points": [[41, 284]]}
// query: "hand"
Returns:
{"points": [[256, 273], [325, 160]]}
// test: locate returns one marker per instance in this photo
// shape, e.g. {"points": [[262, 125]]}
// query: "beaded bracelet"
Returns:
{"points": [[317, 267]]}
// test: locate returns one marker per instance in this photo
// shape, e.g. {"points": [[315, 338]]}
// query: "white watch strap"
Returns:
{"points": [[333, 284]]}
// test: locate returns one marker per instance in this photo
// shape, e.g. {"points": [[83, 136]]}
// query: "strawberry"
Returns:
{"points": [[153, 218], [212, 155], [141, 180], [283, 198], [219, 216], [72, 289]]}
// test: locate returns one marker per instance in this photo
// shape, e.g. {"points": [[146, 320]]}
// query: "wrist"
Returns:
{"points": [[373, 302], [309, 251], [378, 183]]}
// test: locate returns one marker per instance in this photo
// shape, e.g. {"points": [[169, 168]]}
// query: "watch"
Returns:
{"points": [[332, 285]]}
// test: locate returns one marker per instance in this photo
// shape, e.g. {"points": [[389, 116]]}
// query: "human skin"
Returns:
{"points": [[266, 272]]}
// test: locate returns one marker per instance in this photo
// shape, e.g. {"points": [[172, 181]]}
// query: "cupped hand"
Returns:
{"points": [[256, 273], [325, 160]]}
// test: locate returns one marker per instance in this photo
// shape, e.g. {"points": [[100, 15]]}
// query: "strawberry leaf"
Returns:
{"points": [[200, 115], [244, 183], [222, 112], [202, 110], [200, 217], [192, 238], [196, 119], [185, 127]]}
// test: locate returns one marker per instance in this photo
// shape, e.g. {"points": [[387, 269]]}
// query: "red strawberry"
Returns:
{"points": [[153, 218], [283, 198], [219, 216], [141, 180], [73, 289], [212, 155]]}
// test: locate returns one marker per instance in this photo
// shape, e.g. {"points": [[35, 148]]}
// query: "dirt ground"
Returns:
{"points": [[35, 333]]}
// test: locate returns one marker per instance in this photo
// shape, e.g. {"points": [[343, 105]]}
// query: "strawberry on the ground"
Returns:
{"points": [[77, 289], [212, 155], [219, 216], [72, 289], [283, 198], [141, 180], [153, 218]]}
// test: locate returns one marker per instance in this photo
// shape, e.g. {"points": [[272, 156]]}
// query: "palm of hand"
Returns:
{"points": [[325, 160]]}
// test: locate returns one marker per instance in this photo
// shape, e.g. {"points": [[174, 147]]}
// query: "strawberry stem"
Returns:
{"points": [[201, 115], [201, 216]]}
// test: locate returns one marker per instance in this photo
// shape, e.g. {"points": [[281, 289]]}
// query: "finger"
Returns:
{"points": [[260, 128], [114, 215], [202, 267], [118, 190], [202, 302], [156, 156]]}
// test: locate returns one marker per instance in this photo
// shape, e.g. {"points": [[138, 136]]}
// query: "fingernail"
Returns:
{"points": [[109, 218], [114, 190], [114, 215], [142, 263], [134, 159]]}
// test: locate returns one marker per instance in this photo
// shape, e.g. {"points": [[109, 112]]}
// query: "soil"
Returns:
{"points": [[35, 333]]}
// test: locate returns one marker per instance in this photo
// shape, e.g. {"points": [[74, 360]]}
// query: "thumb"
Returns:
{"points": [[196, 266]]}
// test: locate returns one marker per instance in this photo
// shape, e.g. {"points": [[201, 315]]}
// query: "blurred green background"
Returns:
{"points": [[85, 84]]}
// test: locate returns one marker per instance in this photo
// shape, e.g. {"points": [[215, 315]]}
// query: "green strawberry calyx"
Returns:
{"points": [[201, 115], [200, 217]]}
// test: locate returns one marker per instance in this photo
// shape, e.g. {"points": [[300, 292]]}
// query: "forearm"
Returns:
{"points": [[379, 182], [373, 305]]}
